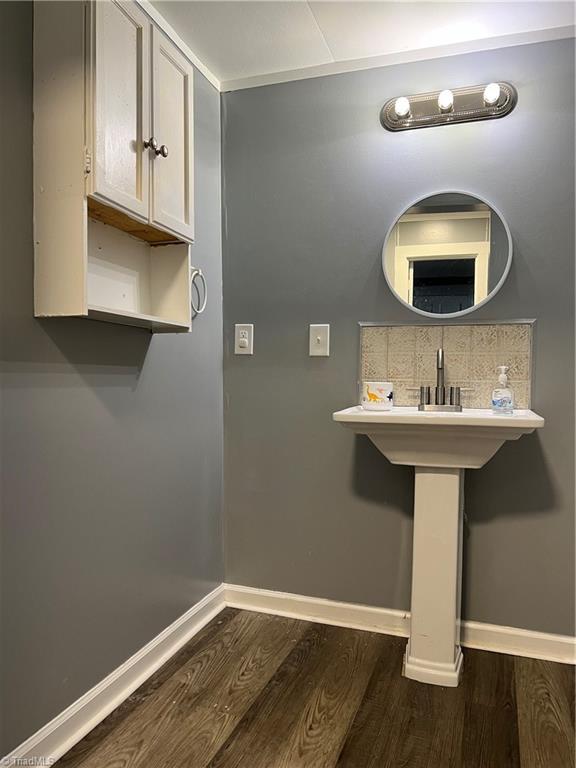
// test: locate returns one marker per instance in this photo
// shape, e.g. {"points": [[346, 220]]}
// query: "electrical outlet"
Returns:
{"points": [[243, 339]]}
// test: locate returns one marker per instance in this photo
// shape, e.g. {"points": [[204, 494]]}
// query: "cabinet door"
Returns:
{"points": [[120, 86], [172, 119]]}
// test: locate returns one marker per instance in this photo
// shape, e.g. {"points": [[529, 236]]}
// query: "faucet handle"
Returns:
{"points": [[424, 395], [454, 396]]}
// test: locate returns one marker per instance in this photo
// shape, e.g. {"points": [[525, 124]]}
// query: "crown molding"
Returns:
{"points": [[355, 65], [403, 57], [161, 22]]}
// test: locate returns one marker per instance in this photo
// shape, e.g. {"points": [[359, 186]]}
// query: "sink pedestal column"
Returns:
{"points": [[433, 654]]}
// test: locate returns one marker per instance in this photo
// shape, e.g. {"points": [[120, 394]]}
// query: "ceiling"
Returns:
{"points": [[245, 44]]}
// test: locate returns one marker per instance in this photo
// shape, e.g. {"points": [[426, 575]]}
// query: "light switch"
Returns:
{"points": [[243, 339], [319, 340]]}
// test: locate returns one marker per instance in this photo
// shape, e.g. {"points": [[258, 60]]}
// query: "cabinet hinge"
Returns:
{"points": [[87, 161]]}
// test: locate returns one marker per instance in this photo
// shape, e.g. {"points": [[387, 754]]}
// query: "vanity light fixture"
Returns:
{"points": [[446, 101], [449, 106]]}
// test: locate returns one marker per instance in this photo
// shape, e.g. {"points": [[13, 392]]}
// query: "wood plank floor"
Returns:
{"points": [[258, 691]]}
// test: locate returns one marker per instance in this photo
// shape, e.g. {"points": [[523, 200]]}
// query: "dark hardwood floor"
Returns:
{"points": [[258, 691]]}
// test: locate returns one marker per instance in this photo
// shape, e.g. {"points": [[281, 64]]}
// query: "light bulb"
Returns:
{"points": [[491, 94], [402, 107], [445, 101]]}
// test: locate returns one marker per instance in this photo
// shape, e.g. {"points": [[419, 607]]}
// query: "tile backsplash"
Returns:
{"points": [[406, 355]]}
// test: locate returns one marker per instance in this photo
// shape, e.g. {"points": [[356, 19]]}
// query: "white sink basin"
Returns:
{"points": [[440, 446], [466, 440]]}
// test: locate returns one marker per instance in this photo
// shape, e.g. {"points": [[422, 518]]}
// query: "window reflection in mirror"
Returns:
{"points": [[447, 254]]}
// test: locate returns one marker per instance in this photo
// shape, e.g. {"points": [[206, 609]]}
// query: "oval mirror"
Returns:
{"points": [[447, 254]]}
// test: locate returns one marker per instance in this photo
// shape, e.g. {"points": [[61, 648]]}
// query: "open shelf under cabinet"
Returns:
{"points": [[133, 282]]}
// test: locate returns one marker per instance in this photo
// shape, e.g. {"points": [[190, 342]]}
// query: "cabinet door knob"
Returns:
{"points": [[151, 144], [162, 151]]}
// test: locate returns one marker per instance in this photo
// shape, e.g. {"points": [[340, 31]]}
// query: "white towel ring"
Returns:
{"points": [[198, 309]]}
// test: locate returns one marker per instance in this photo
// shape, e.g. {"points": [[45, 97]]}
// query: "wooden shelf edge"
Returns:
{"points": [[142, 230], [125, 317]]}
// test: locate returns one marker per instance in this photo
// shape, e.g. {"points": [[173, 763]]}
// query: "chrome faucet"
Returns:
{"points": [[440, 371], [434, 398]]}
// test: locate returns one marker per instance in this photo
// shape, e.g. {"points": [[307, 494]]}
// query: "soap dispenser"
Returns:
{"points": [[502, 397]]}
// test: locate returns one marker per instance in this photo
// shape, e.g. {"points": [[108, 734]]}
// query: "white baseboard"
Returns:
{"points": [[485, 637], [59, 735], [351, 615], [519, 642]]}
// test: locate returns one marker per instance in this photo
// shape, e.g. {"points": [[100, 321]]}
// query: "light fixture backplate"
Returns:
{"points": [[468, 106]]}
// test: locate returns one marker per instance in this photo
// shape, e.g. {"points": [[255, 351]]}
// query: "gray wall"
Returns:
{"points": [[312, 183], [111, 441]]}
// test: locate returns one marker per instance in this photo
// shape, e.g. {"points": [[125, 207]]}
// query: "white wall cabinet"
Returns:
{"points": [[172, 125], [113, 166], [119, 110]]}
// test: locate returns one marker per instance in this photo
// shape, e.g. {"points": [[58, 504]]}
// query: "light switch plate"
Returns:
{"points": [[244, 339], [319, 340]]}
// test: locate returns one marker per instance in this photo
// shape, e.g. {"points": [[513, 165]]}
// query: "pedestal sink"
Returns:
{"points": [[440, 446]]}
